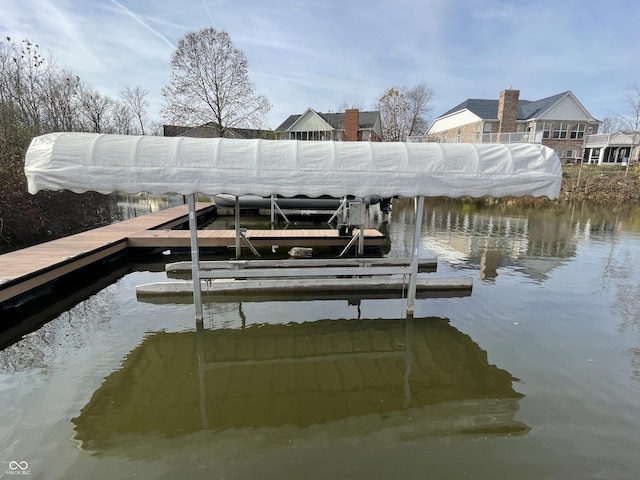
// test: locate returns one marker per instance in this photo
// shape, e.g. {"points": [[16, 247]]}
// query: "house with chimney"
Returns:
{"points": [[352, 125], [560, 122]]}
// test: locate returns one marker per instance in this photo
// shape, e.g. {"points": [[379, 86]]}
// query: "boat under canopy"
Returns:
{"points": [[104, 163], [298, 202]]}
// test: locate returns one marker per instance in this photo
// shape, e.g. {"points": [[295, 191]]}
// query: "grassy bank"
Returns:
{"points": [[600, 183]]}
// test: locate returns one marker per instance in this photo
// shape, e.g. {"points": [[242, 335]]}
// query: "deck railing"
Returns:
{"points": [[612, 139], [512, 137]]}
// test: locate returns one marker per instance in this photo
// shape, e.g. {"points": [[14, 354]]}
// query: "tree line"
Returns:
{"points": [[37, 97], [209, 85]]}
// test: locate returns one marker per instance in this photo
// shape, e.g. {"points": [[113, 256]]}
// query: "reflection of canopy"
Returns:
{"points": [[421, 378], [132, 164]]}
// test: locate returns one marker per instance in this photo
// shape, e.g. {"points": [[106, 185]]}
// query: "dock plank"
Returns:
{"points": [[29, 268], [424, 263], [324, 289], [259, 238]]}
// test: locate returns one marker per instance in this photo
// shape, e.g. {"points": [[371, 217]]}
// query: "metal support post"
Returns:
{"points": [[195, 258], [415, 255], [237, 224], [339, 210], [275, 209], [353, 240], [272, 210]]}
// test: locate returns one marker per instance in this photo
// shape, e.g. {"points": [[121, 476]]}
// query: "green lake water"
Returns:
{"points": [[535, 375]]}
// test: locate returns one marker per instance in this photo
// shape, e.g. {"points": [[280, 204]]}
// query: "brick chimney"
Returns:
{"points": [[508, 110], [351, 122]]}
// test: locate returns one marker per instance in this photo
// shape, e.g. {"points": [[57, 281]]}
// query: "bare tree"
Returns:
{"points": [[95, 109], [61, 97], [156, 128], [36, 98], [632, 119], [419, 98], [120, 119], [344, 106], [210, 83], [23, 70], [136, 100], [611, 125], [403, 111]]}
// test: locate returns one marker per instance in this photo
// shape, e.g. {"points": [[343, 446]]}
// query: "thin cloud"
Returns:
{"points": [[143, 23], [206, 7], [303, 57]]}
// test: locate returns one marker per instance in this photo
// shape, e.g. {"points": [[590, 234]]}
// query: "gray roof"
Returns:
{"points": [[488, 109], [208, 130], [366, 120]]}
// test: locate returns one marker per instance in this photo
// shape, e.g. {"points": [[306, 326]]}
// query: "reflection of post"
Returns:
{"points": [[489, 262], [202, 368], [195, 258], [408, 359], [411, 294]]}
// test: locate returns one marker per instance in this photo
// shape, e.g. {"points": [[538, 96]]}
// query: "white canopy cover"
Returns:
{"points": [[131, 164]]}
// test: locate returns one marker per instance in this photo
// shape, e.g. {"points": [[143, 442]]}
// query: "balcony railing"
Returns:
{"points": [[513, 137], [611, 140]]}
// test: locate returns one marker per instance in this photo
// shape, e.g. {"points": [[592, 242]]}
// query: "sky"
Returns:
{"points": [[325, 55]]}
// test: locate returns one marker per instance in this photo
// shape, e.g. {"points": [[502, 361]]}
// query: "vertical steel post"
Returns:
{"points": [[237, 223], [272, 210], [411, 294], [195, 258]]}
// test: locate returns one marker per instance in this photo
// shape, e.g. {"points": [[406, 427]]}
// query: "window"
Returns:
{"points": [[560, 131], [558, 152], [572, 154], [577, 131], [546, 130]]}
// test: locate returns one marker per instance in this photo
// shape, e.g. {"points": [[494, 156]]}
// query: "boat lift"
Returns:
{"points": [[132, 164]]}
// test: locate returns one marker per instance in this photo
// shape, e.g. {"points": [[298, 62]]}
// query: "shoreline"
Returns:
{"points": [[600, 183]]}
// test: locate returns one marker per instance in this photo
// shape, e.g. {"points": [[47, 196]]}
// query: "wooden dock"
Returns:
{"points": [[23, 273], [28, 273], [26, 270]]}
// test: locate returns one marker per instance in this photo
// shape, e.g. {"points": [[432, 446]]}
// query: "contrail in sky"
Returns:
{"points": [[142, 22], [206, 7]]}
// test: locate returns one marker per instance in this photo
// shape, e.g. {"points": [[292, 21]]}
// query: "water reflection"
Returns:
{"points": [[36, 351], [520, 235], [131, 206], [402, 379]]}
